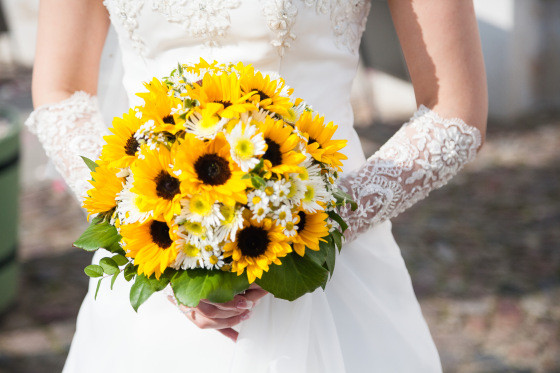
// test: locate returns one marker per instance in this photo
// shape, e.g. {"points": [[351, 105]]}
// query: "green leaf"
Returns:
{"points": [[113, 279], [329, 248], [130, 271], [97, 288], [257, 181], [143, 288], [93, 270], [334, 216], [259, 166], [109, 266], [343, 198], [294, 277], [120, 259], [90, 164], [192, 285], [246, 176], [99, 234], [318, 256], [337, 238]]}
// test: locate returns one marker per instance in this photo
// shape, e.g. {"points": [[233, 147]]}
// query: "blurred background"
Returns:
{"points": [[483, 252]]}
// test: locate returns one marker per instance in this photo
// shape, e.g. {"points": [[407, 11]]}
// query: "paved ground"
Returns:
{"points": [[484, 255]]}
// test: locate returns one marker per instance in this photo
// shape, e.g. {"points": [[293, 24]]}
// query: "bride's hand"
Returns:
{"points": [[223, 316]]}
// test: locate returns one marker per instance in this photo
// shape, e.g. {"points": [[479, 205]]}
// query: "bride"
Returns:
{"points": [[368, 319]]}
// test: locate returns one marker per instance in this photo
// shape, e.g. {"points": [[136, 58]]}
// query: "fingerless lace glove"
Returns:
{"points": [[67, 130], [424, 154]]}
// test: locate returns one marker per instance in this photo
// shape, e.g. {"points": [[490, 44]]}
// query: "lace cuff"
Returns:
{"points": [[423, 155], [67, 130]]}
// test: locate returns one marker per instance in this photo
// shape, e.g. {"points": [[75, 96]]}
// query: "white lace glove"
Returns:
{"points": [[67, 130], [423, 155]]}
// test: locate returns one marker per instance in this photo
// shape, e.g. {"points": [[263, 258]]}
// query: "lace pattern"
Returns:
{"points": [[348, 19], [422, 156], [68, 130], [206, 19], [280, 17], [209, 19], [125, 13]]}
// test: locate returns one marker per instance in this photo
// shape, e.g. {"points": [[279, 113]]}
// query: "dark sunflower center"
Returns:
{"points": [[263, 96], [160, 234], [302, 220], [131, 146], [169, 119], [212, 169], [225, 103], [273, 153], [166, 185], [253, 241]]}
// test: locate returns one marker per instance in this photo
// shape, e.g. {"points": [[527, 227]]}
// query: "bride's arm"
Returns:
{"points": [[66, 120], [442, 48]]}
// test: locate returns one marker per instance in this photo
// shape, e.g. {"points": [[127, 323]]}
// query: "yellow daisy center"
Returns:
{"points": [[191, 250], [244, 149], [195, 228], [199, 205], [309, 193], [227, 213], [269, 191], [282, 215], [213, 259], [289, 225]]}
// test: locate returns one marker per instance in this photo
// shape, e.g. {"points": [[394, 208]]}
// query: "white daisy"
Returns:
{"points": [[232, 222], [199, 209], [283, 215], [189, 255], [246, 143], [204, 128], [290, 229], [127, 209], [315, 192], [257, 198]]}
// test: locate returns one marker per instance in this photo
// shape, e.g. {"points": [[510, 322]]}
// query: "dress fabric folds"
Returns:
{"points": [[368, 319]]}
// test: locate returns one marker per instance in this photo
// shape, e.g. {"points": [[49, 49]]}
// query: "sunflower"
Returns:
{"points": [[156, 184], [310, 229], [268, 93], [320, 145], [106, 185], [206, 167], [151, 245], [162, 108], [122, 146], [257, 245], [223, 89], [280, 156]]}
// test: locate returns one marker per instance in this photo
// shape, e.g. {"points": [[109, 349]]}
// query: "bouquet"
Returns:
{"points": [[219, 180]]}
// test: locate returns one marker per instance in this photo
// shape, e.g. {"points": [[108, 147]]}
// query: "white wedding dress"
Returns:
{"points": [[368, 319]]}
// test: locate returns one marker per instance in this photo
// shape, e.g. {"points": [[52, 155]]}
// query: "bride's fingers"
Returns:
{"points": [[253, 295], [212, 311], [239, 302], [230, 333], [204, 322]]}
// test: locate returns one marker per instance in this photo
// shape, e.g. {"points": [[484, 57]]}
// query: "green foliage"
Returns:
{"points": [[192, 285], [94, 270], [100, 234], [294, 278], [130, 271], [343, 198], [120, 259], [144, 287], [109, 266], [90, 164], [334, 216]]}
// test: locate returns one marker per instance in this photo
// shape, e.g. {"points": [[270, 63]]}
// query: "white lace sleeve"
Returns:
{"points": [[67, 130], [423, 155]]}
